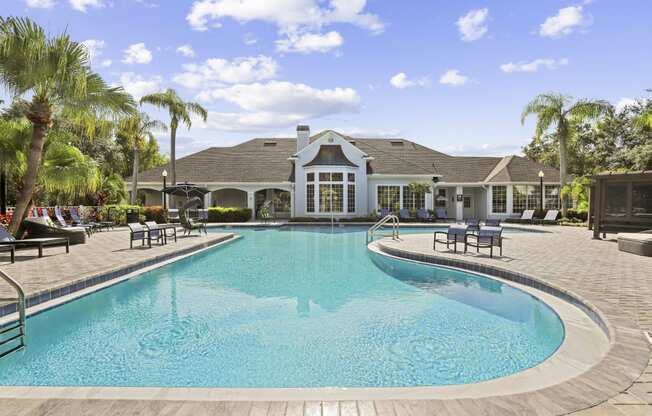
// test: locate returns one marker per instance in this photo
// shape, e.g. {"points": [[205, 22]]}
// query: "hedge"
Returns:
{"points": [[221, 214], [573, 214], [119, 213], [155, 213]]}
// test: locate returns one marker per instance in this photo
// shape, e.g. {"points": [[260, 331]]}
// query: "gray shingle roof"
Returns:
{"points": [[266, 160]]}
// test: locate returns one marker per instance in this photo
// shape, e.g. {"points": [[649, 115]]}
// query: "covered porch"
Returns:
{"points": [[460, 202]]}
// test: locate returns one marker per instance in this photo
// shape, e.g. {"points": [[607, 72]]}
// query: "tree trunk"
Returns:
{"points": [[3, 191], [173, 150], [563, 133], [29, 180], [134, 176]]}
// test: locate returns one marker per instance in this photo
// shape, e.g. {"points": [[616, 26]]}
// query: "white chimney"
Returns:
{"points": [[303, 137]]}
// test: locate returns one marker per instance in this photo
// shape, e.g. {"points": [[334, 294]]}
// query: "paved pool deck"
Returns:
{"points": [[618, 285]]}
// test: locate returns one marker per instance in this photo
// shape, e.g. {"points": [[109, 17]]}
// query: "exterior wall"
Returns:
{"points": [[235, 198], [374, 182], [308, 154], [510, 198], [152, 197]]}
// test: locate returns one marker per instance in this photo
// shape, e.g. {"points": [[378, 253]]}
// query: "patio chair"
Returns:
{"points": [[487, 237], [423, 214], [12, 251], [384, 212], [441, 214], [492, 222], [189, 224], [550, 217], [6, 239], [173, 215], [156, 233], [404, 214], [139, 232], [46, 228], [473, 224], [455, 234]]}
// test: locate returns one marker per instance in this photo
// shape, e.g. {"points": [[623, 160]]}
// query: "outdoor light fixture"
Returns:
{"points": [[164, 174], [541, 175]]}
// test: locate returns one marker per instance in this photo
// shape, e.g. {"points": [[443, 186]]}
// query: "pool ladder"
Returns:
{"points": [[12, 336], [371, 232]]}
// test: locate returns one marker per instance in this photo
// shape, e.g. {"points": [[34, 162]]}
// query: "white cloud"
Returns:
{"points": [[277, 104], [401, 81], [564, 22], [106, 63], [94, 48], [533, 66], [40, 4], [624, 103], [288, 15], [138, 86], [453, 77], [214, 71], [83, 5], [309, 42], [186, 50], [137, 54], [473, 25], [249, 39]]}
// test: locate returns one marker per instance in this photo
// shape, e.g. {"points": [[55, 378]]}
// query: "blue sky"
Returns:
{"points": [[452, 75]]}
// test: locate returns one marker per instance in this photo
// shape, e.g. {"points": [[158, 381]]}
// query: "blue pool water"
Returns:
{"points": [[289, 307]]}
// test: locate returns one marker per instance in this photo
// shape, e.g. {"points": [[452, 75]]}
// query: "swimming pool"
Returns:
{"points": [[289, 307]]}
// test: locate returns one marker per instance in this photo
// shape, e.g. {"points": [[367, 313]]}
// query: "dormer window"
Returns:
{"points": [[396, 143]]}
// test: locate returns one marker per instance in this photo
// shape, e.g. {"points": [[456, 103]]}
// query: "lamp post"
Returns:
{"points": [[541, 175], [165, 176]]}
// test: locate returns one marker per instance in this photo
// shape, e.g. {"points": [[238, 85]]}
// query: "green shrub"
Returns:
{"points": [[221, 214], [118, 213], [155, 213], [576, 214]]}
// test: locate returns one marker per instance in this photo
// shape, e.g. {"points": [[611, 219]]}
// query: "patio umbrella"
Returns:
{"points": [[187, 190]]}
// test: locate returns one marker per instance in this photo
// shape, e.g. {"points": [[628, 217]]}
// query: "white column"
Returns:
{"points": [[510, 199], [459, 205], [207, 200], [292, 201], [251, 204]]}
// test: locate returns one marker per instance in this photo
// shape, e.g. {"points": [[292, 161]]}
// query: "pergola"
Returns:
{"points": [[620, 202]]}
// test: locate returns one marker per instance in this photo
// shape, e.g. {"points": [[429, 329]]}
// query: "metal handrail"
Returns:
{"points": [[20, 300], [387, 218]]}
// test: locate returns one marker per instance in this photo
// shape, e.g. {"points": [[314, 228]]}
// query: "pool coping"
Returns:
{"points": [[625, 361], [96, 280]]}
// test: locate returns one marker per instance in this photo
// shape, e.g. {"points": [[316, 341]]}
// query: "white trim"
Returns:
{"points": [[329, 134]]}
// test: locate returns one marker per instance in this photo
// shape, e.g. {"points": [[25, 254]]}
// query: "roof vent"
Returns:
{"points": [[269, 144], [352, 142], [396, 142]]}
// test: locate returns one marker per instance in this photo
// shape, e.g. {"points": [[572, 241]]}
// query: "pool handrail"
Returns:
{"points": [[20, 306], [395, 227]]}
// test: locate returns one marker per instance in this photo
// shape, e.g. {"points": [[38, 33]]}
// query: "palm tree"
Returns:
{"points": [[180, 111], [137, 129], [55, 73], [559, 112]]}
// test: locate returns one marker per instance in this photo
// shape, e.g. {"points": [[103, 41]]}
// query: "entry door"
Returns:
{"points": [[469, 209]]}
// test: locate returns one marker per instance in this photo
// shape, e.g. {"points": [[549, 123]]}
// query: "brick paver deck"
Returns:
{"points": [[619, 285]]}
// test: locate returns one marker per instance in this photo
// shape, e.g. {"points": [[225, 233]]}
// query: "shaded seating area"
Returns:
{"points": [[620, 203], [188, 223], [6, 239]]}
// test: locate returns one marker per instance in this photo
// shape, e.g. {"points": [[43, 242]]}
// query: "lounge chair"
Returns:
{"points": [[423, 214], [527, 217], [63, 224], [46, 228], [550, 218], [11, 249], [487, 237], [78, 221], [6, 239], [404, 214], [441, 214], [636, 243], [138, 232], [156, 232], [473, 224], [455, 234], [492, 222], [384, 212]]}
